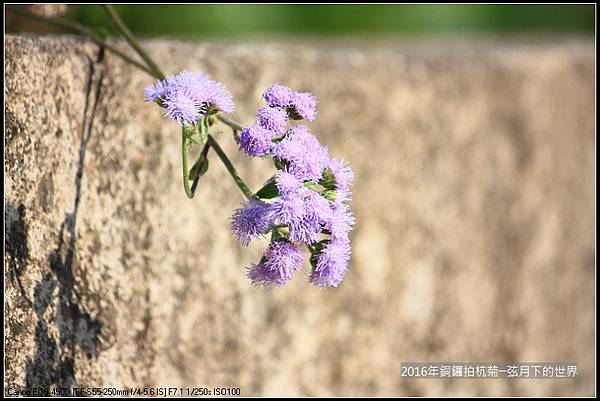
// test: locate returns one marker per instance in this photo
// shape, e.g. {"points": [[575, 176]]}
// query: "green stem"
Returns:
{"points": [[198, 166], [116, 20], [231, 123], [185, 140], [74, 26], [235, 126], [154, 71], [236, 177]]}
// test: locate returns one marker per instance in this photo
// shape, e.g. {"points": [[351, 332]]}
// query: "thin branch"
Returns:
{"points": [[74, 26], [116, 20], [184, 158], [236, 177], [235, 125]]}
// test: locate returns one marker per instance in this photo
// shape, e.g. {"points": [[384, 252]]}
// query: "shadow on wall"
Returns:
{"points": [[53, 362]]}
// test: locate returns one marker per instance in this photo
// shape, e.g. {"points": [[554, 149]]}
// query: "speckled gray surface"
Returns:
{"points": [[474, 200]]}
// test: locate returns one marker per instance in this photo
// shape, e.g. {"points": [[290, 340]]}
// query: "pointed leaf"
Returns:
{"points": [[269, 191]]}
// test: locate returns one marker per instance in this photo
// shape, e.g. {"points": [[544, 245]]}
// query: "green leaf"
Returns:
{"points": [[293, 114], [202, 128], [276, 235], [328, 179], [279, 165], [330, 194], [203, 169], [269, 191]]}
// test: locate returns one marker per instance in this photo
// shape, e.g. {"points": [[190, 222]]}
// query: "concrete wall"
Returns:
{"points": [[474, 199]]}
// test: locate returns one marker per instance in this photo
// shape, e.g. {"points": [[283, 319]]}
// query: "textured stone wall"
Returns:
{"points": [[474, 201]]}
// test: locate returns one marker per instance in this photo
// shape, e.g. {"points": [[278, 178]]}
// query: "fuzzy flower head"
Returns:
{"points": [[182, 107], [283, 257], [287, 183], [250, 221], [156, 91], [304, 106], [256, 141], [317, 207], [188, 96], [305, 229], [278, 96], [331, 264], [280, 261], [341, 221], [273, 119], [304, 205], [219, 97], [262, 276], [316, 213], [287, 209], [307, 158], [342, 174]]}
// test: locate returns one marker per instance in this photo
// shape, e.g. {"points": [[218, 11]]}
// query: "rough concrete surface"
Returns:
{"points": [[474, 199]]}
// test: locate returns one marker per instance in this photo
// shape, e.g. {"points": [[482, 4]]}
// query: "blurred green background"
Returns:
{"points": [[218, 20]]}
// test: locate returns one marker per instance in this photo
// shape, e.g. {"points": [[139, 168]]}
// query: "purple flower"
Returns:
{"points": [[272, 118], [317, 207], [256, 141], [287, 209], [194, 82], [287, 183], [203, 89], [278, 95], [196, 85], [316, 214], [305, 229], [310, 204], [260, 275], [310, 166], [301, 132], [283, 258], [155, 92], [250, 221], [181, 107], [341, 221], [342, 173], [331, 264], [219, 97], [188, 96], [304, 104], [307, 158], [343, 195]]}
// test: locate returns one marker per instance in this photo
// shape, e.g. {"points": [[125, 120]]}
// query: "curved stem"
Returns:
{"points": [[184, 157], [116, 20], [74, 26], [236, 177]]}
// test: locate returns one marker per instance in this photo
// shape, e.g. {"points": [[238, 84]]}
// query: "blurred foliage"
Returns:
{"points": [[201, 20]]}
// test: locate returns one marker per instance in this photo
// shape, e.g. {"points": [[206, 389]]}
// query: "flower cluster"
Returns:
{"points": [[283, 104], [187, 96], [305, 203]]}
